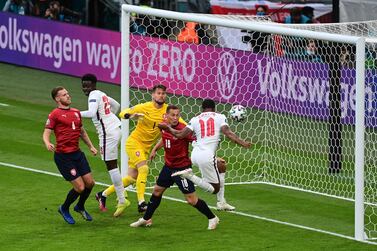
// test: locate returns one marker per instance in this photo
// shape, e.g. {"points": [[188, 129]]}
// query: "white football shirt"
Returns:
{"points": [[101, 109], [207, 129]]}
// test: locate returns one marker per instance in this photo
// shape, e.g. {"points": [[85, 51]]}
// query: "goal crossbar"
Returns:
{"points": [[358, 42]]}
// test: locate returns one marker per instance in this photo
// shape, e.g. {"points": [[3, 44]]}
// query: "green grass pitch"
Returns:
{"points": [[29, 218]]}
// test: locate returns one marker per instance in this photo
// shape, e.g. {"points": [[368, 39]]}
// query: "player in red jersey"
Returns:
{"points": [[66, 124], [176, 159]]}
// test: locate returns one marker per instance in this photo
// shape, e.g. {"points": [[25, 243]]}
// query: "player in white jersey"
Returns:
{"points": [[208, 127], [102, 109]]}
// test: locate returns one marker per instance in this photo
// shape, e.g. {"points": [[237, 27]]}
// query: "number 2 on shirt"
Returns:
{"points": [[106, 104], [207, 129]]}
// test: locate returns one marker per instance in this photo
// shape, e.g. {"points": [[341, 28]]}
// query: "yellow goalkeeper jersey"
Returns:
{"points": [[146, 131]]}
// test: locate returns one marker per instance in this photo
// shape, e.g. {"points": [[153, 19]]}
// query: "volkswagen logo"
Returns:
{"points": [[227, 75]]}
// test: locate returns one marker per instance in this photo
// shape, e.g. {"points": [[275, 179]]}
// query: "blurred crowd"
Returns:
{"points": [[81, 11], [97, 13], [54, 10]]}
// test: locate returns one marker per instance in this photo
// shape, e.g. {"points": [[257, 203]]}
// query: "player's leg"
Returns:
{"points": [[116, 178], [153, 204], [109, 153], [188, 189], [210, 181], [164, 181], [73, 194], [203, 208], [138, 156], [130, 178], [141, 183], [88, 181], [66, 168], [221, 202], [87, 178]]}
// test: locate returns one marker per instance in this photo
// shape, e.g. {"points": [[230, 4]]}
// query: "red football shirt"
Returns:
{"points": [[66, 124], [176, 150]]}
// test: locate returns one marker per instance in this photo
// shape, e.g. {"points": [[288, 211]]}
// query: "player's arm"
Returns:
{"points": [[115, 106], [180, 134], [133, 112], [46, 139], [233, 137], [157, 147], [84, 136], [92, 107]]}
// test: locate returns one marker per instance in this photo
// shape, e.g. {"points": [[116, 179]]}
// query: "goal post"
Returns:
{"points": [[279, 111], [359, 139], [125, 87]]}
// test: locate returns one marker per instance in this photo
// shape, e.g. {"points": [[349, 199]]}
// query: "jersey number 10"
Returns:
{"points": [[207, 129]]}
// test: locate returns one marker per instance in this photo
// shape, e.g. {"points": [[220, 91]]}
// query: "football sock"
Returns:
{"points": [[128, 180], [153, 204], [116, 178], [220, 194], [141, 182], [202, 207], [71, 197], [202, 184], [83, 197]]}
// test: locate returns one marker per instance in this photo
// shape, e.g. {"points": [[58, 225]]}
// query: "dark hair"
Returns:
{"points": [[55, 91], [295, 11], [264, 7], [307, 11], [208, 103], [171, 107], [159, 86], [89, 77]]}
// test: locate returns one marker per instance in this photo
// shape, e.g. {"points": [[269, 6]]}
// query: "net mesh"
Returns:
{"points": [[368, 30], [299, 94]]}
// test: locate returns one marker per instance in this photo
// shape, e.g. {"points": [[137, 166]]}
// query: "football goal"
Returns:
{"points": [[311, 102]]}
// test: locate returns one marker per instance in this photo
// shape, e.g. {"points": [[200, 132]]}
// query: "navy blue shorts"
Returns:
{"points": [[72, 165], [165, 180]]}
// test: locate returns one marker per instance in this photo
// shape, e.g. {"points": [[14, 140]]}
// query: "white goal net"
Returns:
{"points": [[299, 88], [368, 30]]}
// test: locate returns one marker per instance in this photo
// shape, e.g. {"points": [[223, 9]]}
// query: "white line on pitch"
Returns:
{"points": [[3, 104], [233, 212]]}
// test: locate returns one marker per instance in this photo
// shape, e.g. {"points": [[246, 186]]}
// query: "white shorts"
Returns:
{"points": [[109, 143], [207, 163]]}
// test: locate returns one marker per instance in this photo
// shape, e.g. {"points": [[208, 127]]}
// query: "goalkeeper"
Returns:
{"points": [[139, 144]]}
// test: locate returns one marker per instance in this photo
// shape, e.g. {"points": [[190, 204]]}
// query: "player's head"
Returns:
{"points": [[172, 115], [61, 96], [159, 94], [88, 83], [208, 105]]}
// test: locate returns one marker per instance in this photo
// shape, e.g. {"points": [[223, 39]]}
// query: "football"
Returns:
{"points": [[237, 113]]}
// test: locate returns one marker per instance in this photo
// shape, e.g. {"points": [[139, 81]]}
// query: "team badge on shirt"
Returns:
{"points": [[137, 154]]}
